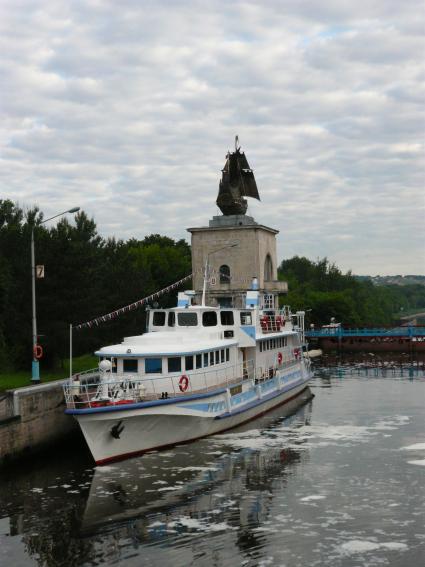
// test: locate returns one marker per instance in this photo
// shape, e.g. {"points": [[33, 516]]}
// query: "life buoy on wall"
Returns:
{"points": [[183, 383], [279, 357], [297, 353], [38, 351]]}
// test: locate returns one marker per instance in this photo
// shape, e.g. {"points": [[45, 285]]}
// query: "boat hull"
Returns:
{"points": [[116, 435]]}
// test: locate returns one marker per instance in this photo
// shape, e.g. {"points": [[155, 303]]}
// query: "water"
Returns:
{"points": [[337, 481]]}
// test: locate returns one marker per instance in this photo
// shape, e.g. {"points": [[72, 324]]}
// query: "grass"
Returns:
{"points": [[10, 380]]}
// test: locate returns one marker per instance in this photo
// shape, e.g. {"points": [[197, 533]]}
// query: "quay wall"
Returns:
{"points": [[31, 419]]}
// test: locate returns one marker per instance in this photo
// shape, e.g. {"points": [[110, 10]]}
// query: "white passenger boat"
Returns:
{"points": [[200, 369], [197, 371]]}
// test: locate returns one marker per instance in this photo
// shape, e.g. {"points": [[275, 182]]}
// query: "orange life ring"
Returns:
{"points": [[183, 383], [297, 353], [38, 351], [279, 357]]}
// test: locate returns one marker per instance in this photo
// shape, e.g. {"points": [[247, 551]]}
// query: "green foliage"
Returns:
{"points": [[10, 379], [85, 276], [324, 291]]}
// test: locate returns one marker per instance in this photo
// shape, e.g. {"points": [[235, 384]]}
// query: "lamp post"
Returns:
{"points": [[35, 375], [204, 290]]}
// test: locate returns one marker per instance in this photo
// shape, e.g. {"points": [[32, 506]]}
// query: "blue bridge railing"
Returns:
{"points": [[408, 331]]}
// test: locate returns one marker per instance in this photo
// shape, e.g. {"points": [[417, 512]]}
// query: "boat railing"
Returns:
{"points": [[93, 388]]}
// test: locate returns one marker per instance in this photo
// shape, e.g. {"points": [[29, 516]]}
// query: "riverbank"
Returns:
{"points": [[12, 380]]}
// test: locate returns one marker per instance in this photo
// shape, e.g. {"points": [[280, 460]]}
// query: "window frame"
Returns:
{"points": [[155, 315], [151, 358], [178, 366], [205, 316]]}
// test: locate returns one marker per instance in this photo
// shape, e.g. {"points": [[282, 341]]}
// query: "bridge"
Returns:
{"points": [[335, 332], [403, 339]]}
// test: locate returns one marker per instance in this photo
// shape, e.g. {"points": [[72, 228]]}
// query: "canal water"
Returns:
{"points": [[335, 480]]}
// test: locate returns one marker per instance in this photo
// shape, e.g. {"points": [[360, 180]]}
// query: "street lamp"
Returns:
{"points": [[36, 350], [204, 290]]}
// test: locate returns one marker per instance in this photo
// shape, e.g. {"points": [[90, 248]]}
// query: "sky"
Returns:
{"points": [[127, 109]]}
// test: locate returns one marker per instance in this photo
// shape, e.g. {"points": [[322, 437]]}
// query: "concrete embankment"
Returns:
{"points": [[32, 419]]}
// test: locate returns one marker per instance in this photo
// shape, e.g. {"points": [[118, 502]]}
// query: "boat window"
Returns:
{"points": [[227, 355], [187, 319], [199, 361], [130, 365], [226, 318], [211, 358], [209, 318], [158, 318], [222, 355], [174, 364], [261, 347], [153, 365], [205, 359], [171, 319], [217, 357], [189, 362], [246, 318], [224, 274]]}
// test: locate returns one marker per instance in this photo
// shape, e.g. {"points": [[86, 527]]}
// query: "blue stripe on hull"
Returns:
{"points": [[262, 400], [141, 405]]}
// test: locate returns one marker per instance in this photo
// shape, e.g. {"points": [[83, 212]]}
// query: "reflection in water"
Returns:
{"points": [[336, 483], [80, 516], [170, 484]]}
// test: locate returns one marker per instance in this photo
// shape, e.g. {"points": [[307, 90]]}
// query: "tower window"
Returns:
{"points": [[268, 268], [224, 274]]}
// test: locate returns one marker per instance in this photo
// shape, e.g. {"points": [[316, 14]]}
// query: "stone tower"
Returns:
{"points": [[237, 249]]}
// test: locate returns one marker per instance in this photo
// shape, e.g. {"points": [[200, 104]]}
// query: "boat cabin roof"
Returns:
{"points": [[164, 344]]}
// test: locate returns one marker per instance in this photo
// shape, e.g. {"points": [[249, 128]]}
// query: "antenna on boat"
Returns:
{"points": [[204, 288], [70, 351]]}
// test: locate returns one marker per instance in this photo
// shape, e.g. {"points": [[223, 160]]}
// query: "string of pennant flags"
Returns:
{"points": [[131, 306]]}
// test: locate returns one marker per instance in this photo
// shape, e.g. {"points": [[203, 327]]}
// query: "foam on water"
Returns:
{"points": [[364, 546], [313, 497], [415, 447], [201, 525]]}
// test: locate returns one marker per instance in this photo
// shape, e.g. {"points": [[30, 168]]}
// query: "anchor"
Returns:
{"points": [[117, 429]]}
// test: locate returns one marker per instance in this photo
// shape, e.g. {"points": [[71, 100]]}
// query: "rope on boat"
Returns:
{"points": [[131, 307]]}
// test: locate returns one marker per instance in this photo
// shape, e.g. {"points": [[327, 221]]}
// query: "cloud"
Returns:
{"points": [[128, 110]]}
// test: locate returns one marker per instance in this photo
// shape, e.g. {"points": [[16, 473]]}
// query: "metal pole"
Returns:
{"points": [[204, 289], [70, 352], [35, 375]]}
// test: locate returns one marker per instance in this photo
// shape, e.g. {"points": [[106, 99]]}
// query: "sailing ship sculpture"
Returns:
{"points": [[237, 182]]}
